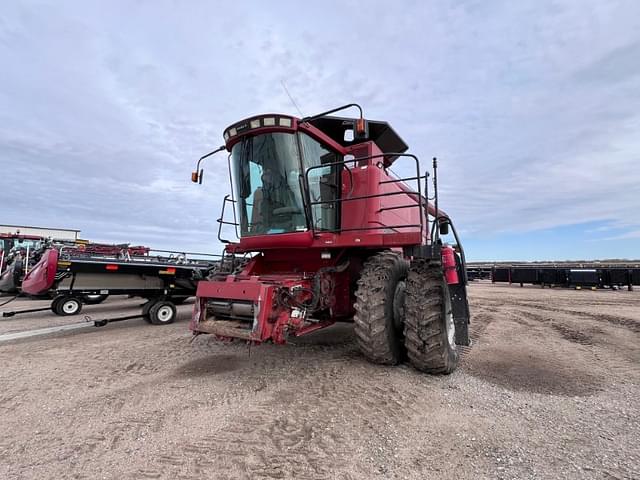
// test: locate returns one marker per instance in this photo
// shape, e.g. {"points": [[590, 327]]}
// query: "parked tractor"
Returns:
{"points": [[329, 233]]}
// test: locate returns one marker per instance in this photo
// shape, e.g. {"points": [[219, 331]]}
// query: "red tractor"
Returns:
{"points": [[328, 233]]}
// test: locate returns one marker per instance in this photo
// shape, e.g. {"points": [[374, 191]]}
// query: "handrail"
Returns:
{"points": [[221, 220], [421, 200]]}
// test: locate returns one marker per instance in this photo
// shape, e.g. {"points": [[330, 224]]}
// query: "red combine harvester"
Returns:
{"points": [[335, 236]]}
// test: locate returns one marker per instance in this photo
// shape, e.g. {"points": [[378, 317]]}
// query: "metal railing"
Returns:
{"points": [[420, 204], [67, 252], [221, 221]]}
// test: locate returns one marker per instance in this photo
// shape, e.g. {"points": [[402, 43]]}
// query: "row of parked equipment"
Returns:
{"points": [[74, 273], [565, 275]]}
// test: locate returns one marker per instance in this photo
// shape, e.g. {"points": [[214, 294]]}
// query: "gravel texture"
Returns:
{"points": [[550, 389]]}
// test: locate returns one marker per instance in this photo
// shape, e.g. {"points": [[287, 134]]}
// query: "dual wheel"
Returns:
{"points": [[159, 312], [404, 311], [64, 305]]}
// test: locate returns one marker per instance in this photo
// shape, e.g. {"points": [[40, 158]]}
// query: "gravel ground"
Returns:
{"points": [[549, 389]]}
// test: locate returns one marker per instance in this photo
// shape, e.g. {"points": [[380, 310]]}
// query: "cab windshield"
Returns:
{"points": [[267, 172]]}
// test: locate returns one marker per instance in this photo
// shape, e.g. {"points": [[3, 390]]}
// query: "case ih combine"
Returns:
{"points": [[335, 236]]}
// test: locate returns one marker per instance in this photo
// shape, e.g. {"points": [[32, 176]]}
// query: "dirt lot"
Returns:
{"points": [[550, 389]]}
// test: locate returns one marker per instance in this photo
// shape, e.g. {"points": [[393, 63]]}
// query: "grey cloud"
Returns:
{"points": [[104, 109]]}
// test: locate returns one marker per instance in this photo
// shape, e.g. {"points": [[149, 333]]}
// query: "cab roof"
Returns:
{"points": [[379, 132]]}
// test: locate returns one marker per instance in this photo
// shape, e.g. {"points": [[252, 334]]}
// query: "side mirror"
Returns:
{"points": [[197, 177], [444, 228]]}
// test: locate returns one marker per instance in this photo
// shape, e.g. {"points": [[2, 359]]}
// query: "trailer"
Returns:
{"points": [[20, 253], [72, 274], [591, 275]]}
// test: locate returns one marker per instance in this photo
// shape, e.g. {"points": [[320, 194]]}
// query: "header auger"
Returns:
{"points": [[327, 233]]}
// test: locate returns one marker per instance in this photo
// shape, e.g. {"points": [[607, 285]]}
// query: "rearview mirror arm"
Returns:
{"points": [[198, 171]]}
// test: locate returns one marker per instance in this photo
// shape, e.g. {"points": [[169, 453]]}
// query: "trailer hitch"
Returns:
{"points": [[104, 321], [13, 313]]}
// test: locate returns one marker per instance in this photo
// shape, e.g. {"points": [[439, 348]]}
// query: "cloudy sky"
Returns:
{"points": [[533, 108]]}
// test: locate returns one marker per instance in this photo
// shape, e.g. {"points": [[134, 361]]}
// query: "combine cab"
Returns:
{"points": [[333, 236]]}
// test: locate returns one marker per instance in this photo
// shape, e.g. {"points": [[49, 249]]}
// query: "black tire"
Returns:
{"points": [[68, 306], [54, 303], [429, 330], [94, 299], [378, 325], [145, 309], [162, 313]]}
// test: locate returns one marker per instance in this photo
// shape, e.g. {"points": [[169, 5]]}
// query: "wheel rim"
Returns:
{"points": [[70, 307], [165, 313]]}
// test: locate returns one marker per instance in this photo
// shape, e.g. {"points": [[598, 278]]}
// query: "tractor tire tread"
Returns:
{"points": [[425, 333], [373, 330]]}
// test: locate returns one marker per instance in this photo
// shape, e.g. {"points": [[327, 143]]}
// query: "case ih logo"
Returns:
{"points": [[242, 126]]}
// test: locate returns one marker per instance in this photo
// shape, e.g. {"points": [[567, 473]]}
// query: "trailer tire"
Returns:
{"points": [[162, 313], [379, 308], [54, 303], [429, 329], [145, 309], [68, 306]]}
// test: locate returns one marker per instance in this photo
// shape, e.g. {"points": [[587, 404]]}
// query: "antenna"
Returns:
{"points": [[284, 85]]}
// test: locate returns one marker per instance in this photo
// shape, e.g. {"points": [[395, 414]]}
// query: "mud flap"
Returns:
{"points": [[460, 307]]}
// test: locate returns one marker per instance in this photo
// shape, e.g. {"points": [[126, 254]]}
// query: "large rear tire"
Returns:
{"points": [[429, 328], [379, 308]]}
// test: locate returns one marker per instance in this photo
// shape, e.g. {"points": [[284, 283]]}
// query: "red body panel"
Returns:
{"points": [[42, 276], [266, 281], [449, 265]]}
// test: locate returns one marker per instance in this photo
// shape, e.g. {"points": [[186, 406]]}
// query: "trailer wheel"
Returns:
{"points": [[54, 303], [68, 306], [379, 308], [162, 313], [429, 329], [145, 309]]}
